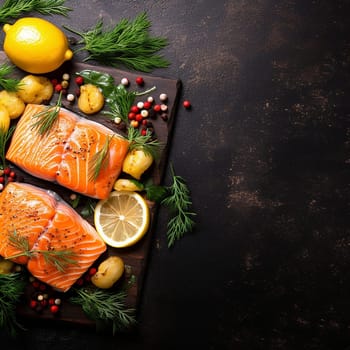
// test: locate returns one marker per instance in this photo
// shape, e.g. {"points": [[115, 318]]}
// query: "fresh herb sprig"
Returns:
{"points": [[146, 143], [107, 308], [60, 259], [177, 199], [6, 82], [46, 119], [4, 138], [11, 289], [99, 160], [128, 43], [118, 98], [16, 8]]}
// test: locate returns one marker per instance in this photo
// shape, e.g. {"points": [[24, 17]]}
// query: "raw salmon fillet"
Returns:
{"points": [[67, 153], [49, 224]]}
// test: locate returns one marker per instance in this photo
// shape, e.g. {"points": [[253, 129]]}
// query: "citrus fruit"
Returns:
{"points": [[122, 219], [36, 45], [4, 119]]}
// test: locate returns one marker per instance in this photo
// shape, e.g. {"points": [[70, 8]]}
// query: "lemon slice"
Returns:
{"points": [[122, 219]]}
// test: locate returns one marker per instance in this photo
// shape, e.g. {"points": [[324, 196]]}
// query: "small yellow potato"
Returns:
{"points": [[91, 99], [35, 89], [4, 120], [137, 162], [127, 185], [12, 102], [108, 272], [5, 266]]}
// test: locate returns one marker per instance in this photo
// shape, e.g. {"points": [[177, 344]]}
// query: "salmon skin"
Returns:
{"points": [[47, 223], [67, 153]]}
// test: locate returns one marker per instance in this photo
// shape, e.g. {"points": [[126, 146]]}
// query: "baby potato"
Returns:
{"points": [[108, 272], [12, 102], [137, 162], [35, 89], [91, 99]]}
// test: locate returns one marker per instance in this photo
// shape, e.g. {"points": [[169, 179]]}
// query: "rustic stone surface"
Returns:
{"points": [[265, 151]]}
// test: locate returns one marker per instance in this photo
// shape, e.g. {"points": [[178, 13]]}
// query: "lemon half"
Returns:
{"points": [[35, 45], [122, 219]]}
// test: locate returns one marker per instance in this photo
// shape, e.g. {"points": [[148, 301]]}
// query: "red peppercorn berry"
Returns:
{"points": [[131, 116], [187, 104], [58, 88], [2, 179], [7, 171], [156, 108], [92, 271], [79, 80], [54, 82], [147, 105], [140, 81], [33, 304], [54, 309], [134, 109]]}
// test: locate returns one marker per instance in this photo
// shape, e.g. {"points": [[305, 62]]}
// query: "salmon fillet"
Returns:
{"points": [[67, 153], [49, 224]]}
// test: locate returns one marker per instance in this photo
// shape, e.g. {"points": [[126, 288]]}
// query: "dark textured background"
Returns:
{"points": [[265, 152]]}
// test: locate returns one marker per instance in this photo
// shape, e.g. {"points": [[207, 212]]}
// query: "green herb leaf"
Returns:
{"points": [[58, 258], [178, 200], [99, 160], [46, 119], [145, 142], [117, 97], [128, 43], [6, 82], [107, 308], [16, 8], [11, 289], [4, 138]]}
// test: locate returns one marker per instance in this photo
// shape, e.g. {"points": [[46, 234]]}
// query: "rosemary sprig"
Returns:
{"points": [[4, 138], [16, 8], [61, 259], [8, 83], [178, 201], [46, 119], [107, 308], [11, 289], [128, 43]]}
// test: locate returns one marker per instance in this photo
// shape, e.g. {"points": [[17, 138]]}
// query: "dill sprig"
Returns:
{"points": [[6, 82], [178, 201], [146, 143], [107, 308], [11, 289], [127, 43], [99, 160], [16, 8], [61, 259], [4, 138], [46, 119]]}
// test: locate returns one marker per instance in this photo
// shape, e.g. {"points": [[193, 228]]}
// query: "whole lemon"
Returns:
{"points": [[36, 45]]}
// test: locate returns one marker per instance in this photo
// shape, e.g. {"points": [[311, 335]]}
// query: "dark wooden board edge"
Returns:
{"points": [[135, 257]]}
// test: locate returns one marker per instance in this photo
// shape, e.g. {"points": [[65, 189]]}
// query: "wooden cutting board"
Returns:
{"points": [[135, 257]]}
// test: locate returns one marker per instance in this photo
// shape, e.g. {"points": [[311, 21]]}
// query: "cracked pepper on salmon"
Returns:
{"points": [[66, 154], [47, 223]]}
